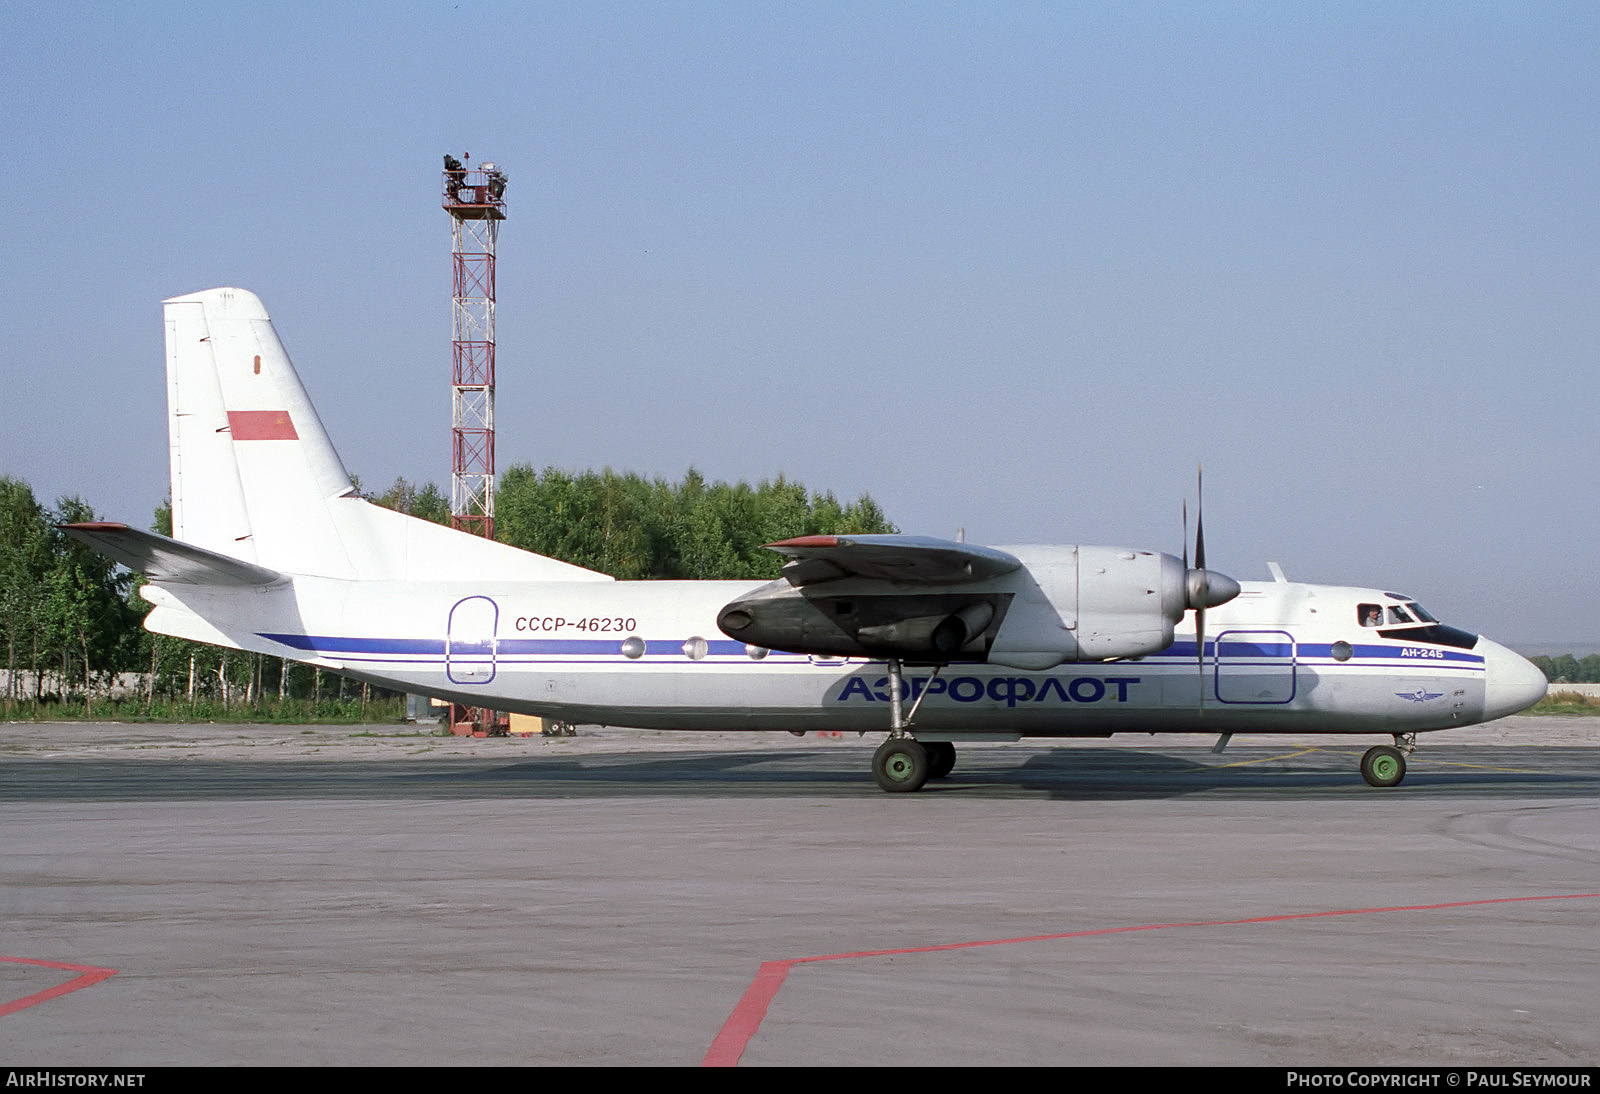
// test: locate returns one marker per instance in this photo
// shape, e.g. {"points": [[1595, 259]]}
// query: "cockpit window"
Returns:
{"points": [[1409, 614], [1435, 634]]}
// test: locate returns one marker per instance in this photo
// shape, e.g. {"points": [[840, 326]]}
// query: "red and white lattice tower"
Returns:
{"points": [[475, 200]]}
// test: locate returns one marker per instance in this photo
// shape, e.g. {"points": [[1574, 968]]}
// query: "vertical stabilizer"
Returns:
{"points": [[254, 476], [253, 470]]}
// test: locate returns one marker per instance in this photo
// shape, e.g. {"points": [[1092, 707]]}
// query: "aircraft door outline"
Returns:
{"points": [[470, 642], [1255, 667]]}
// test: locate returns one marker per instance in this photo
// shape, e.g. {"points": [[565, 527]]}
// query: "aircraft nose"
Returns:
{"points": [[1511, 683]]}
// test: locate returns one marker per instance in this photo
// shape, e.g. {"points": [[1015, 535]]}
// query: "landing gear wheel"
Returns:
{"points": [[1383, 766], [900, 765], [941, 758]]}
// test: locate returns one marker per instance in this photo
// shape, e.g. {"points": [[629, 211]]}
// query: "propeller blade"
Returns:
{"points": [[1200, 564], [1186, 535]]}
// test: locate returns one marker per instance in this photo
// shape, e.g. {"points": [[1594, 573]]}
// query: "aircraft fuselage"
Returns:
{"points": [[1281, 657]]}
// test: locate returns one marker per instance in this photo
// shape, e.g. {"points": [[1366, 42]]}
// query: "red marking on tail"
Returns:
{"points": [[261, 425]]}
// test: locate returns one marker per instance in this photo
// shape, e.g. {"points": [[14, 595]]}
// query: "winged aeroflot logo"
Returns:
{"points": [[1419, 696]]}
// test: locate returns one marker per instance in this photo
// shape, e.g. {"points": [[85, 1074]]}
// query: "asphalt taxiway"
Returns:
{"points": [[272, 895]]}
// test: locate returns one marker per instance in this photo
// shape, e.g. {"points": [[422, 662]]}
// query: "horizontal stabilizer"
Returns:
{"points": [[163, 559], [922, 560]]}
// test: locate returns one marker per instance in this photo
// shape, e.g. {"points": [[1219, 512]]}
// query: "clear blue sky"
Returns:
{"points": [[1013, 267]]}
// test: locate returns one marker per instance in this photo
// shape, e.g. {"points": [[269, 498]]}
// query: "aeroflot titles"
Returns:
{"points": [[1009, 690]]}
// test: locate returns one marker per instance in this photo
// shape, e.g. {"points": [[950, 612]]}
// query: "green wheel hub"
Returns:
{"points": [[900, 765]]}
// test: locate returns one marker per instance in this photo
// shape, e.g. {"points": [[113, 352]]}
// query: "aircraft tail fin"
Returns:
{"points": [[255, 477]]}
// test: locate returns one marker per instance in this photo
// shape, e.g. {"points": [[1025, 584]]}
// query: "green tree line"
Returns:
{"points": [[65, 612], [71, 620], [636, 528], [1567, 669]]}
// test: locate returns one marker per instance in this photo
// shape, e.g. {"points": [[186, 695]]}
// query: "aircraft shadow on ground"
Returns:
{"points": [[1056, 773], [1061, 773]]}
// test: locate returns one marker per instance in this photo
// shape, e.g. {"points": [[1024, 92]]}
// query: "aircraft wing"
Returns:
{"points": [[921, 560], [164, 559]]}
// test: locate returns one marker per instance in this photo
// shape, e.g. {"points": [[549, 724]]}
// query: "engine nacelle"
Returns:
{"points": [[1063, 604], [1089, 603], [855, 618]]}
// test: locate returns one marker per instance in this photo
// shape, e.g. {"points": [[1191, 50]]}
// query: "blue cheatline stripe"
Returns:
{"points": [[1405, 654], [317, 643], [534, 647], [1307, 650], [505, 647]]}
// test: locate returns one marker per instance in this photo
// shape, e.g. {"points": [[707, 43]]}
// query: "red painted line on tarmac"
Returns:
{"points": [[751, 1009], [747, 1015], [91, 974]]}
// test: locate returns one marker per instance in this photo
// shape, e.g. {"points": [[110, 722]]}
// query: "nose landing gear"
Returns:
{"points": [[1382, 765]]}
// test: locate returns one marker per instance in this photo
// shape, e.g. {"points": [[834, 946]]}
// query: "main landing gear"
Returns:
{"points": [[902, 763], [1382, 765]]}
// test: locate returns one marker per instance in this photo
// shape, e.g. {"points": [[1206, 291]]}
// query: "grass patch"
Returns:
{"points": [[1566, 702], [325, 711]]}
